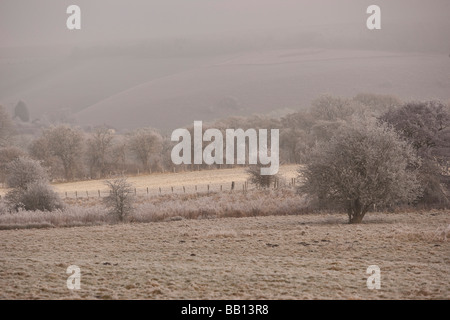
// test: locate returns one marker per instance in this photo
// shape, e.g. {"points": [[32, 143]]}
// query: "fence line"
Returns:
{"points": [[181, 189]]}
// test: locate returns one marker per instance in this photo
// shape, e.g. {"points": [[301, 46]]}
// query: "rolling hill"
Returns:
{"points": [[260, 82], [134, 89]]}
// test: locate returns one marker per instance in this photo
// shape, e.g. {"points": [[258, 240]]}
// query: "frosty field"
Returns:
{"points": [[165, 181], [276, 257]]}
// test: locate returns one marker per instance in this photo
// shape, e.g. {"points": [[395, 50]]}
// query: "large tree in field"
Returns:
{"points": [[144, 143], [363, 165], [65, 143], [426, 125]]}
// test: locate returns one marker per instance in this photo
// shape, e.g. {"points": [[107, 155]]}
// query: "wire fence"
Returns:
{"points": [[178, 189]]}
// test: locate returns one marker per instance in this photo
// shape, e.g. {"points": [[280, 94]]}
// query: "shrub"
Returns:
{"points": [[30, 188], [22, 171], [262, 181], [120, 200], [37, 195]]}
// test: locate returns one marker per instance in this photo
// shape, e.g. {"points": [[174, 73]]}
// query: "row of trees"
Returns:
{"points": [[69, 153], [340, 140], [72, 153]]}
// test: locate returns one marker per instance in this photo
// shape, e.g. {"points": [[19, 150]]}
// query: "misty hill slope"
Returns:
{"points": [[260, 82], [51, 81]]}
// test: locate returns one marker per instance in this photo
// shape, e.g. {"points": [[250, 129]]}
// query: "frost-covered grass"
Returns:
{"points": [[71, 216], [163, 208], [311, 256]]}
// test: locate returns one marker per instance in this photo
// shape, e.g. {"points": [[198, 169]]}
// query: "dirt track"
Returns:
{"points": [[284, 257]]}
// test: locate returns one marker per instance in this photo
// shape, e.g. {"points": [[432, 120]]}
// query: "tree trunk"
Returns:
{"points": [[356, 218], [356, 211]]}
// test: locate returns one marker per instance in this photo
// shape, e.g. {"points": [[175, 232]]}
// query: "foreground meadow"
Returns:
{"points": [[310, 256]]}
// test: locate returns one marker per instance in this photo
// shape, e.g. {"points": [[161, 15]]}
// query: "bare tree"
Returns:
{"points": [[119, 150], [99, 147], [363, 165], [120, 200], [65, 143], [39, 150], [144, 143]]}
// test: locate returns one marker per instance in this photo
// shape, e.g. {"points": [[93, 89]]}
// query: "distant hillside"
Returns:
{"points": [[48, 82], [263, 81], [172, 83]]}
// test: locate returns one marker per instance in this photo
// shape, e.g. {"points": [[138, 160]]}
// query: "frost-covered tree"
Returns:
{"points": [[120, 200], [426, 125], [144, 143], [30, 190], [362, 165], [8, 154], [65, 143], [22, 171], [99, 146]]}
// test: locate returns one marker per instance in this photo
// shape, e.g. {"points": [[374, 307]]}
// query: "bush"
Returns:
{"points": [[22, 171], [363, 165], [120, 200], [37, 195], [262, 181], [30, 188]]}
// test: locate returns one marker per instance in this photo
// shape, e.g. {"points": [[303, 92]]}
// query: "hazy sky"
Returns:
{"points": [[43, 22]]}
